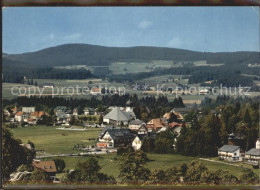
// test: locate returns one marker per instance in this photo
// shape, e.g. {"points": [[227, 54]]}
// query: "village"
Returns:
{"points": [[120, 129]]}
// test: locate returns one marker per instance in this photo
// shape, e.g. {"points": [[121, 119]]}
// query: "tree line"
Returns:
{"points": [[226, 75], [144, 108], [45, 73], [210, 131]]}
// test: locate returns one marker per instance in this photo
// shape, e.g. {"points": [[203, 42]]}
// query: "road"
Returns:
{"points": [[216, 161]]}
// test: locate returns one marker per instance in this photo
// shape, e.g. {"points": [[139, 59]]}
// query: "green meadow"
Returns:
{"points": [[109, 163], [53, 140]]}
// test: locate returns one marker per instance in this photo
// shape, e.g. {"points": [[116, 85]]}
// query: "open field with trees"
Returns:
{"points": [[53, 141], [109, 163]]}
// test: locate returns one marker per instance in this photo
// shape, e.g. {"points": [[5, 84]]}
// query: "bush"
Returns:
{"points": [[24, 168], [123, 150], [12, 126], [248, 176], [39, 176]]}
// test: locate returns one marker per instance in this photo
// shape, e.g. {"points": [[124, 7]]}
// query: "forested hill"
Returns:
{"points": [[84, 54]]}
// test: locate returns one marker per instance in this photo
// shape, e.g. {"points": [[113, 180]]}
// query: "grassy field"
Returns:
{"points": [[204, 63], [52, 140], [109, 163], [136, 67], [62, 87]]}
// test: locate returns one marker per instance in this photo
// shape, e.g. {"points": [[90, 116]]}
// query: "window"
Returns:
{"points": [[235, 154]]}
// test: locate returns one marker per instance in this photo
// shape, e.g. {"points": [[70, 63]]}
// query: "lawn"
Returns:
{"points": [[109, 166], [52, 140]]}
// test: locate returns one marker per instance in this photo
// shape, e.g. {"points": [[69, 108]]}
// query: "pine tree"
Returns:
{"points": [[247, 118]]}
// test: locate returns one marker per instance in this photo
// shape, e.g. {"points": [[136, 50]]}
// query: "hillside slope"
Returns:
{"points": [[84, 54]]}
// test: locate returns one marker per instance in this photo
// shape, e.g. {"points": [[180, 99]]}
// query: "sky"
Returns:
{"points": [[209, 29]]}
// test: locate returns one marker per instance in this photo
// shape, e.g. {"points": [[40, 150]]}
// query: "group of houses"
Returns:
{"points": [[27, 114], [64, 114], [137, 130], [125, 116], [31, 116], [233, 152]]}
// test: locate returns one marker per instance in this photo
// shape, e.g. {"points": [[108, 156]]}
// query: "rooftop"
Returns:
{"points": [[47, 166], [117, 133], [136, 122], [118, 115], [253, 152], [228, 148]]}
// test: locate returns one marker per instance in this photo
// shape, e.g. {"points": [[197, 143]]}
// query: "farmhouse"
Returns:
{"points": [[136, 124], [229, 152], [47, 166], [47, 85], [89, 111], [38, 114], [138, 141], [106, 128], [61, 117], [204, 91], [96, 91], [69, 113], [75, 111], [253, 155], [7, 112], [35, 116], [156, 124], [20, 116], [118, 117], [115, 138]]}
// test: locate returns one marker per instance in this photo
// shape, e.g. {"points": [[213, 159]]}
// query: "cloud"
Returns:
{"points": [[145, 24], [72, 37], [175, 42], [51, 36]]}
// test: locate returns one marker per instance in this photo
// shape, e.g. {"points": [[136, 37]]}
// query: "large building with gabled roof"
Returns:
{"points": [[115, 137], [117, 117], [229, 152], [253, 155]]}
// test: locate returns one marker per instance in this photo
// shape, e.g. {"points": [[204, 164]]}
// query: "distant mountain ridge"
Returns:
{"points": [[85, 54]]}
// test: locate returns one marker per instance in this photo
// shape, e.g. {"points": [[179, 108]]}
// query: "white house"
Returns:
{"points": [[253, 155], [229, 152], [204, 91], [75, 111], [89, 111], [138, 142], [6, 112], [136, 124], [21, 116], [115, 138], [48, 85], [96, 91], [61, 117]]}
